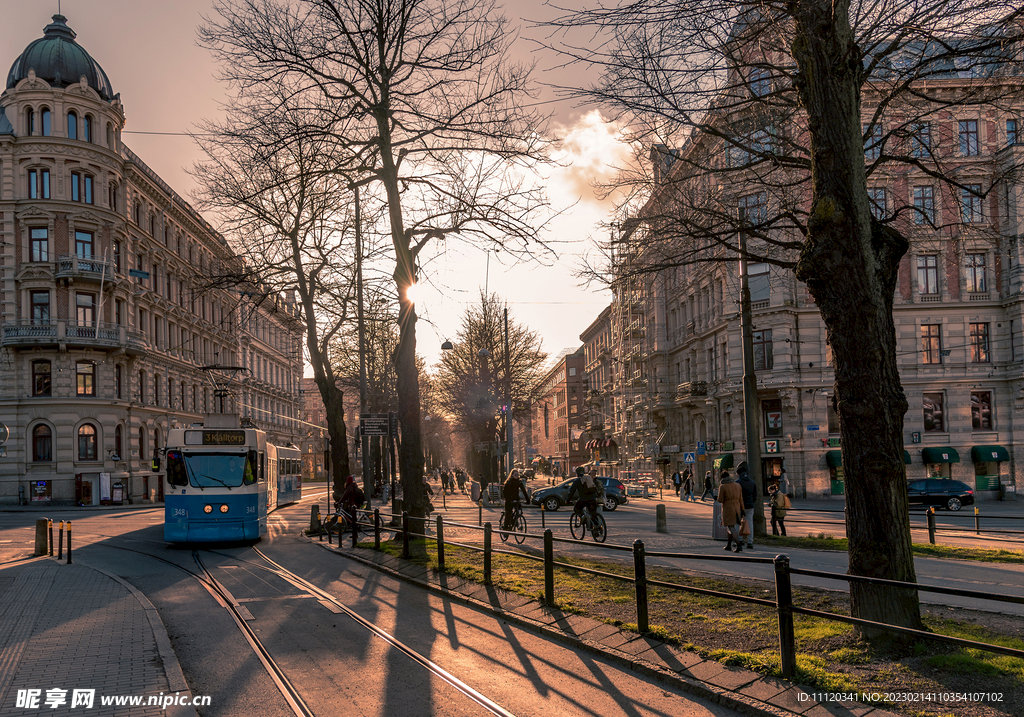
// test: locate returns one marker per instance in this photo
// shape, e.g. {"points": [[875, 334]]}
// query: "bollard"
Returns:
{"points": [[549, 568], [327, 527], [69, 542], [784, 602], [320, 526], [661, 522], [314, 518], [376, 528], [640, 585], [931, 526], [542, 511], [40, 537], [440, 542], [49, 528], [977, 521], [405, 535], [487, 553], [480, 512], [60, 544]]}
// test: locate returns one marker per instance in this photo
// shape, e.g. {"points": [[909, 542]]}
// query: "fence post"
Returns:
{"points": [[376, 528], [69, 543], [931, 526], [640, 584], [487, 553], [405, 534], [977, 521], [784, 603], [549, 568], [440, 542]]}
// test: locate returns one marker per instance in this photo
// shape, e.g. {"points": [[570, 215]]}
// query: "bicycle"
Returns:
{"points": [[595, 521], [518, 525]]}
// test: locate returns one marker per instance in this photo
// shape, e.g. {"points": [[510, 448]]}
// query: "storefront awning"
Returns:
{"points": [[940, 454], [590, 444], [610, 443], [989, 454], [723, 462], [834, 459]]}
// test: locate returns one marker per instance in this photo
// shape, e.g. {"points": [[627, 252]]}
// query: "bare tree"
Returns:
{"points": [[432, 114], [766, 120]]}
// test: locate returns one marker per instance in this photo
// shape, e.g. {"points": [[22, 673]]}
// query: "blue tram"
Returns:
{"points": [[222, 482]]}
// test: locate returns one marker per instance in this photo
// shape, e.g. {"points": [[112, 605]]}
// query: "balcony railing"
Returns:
{"points": [[691, 388], [33, 333], [72, 265]]}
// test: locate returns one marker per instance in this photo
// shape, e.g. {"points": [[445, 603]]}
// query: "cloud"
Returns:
{"points": [[590, 152]]}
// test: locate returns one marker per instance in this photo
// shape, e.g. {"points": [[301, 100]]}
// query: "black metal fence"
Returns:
{"points": [[782, 604]]}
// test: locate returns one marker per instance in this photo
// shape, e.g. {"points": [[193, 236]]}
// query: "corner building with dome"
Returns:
{"points": [[108, 338]]}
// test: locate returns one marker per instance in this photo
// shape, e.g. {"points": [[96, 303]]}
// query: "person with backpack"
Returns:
{"points": [[510, 492], [677, 481], [585, 486]]}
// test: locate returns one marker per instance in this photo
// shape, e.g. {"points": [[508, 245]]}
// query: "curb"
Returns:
{"points": [[718, 695]]}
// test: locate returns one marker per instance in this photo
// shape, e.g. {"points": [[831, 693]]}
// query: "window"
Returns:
{"points": [[934, 419], [832, 416], [772, 410], [39, 184], [924, 205], [974, 270], [758, 281], [928, 274], [42, 444], [142, 387], [81, 188], [72, 125], [116, 252], [763, 360], [979, 343], [872, 142], [760, 82], [87, 128], [41, 383], [40, 307], [40, 244], [879, 202], [967, 132], [970, 203], [143, 442], [920, 139], [931, 343], [754, 208], [87, 442], [118, 442], [30, 121], [85, 309], [118, 381], [46, 121], [112, 196], [981, 410], [1012, 132], [119, 312], [156, 389], [572, 370], [83, 245], [85, 375]]}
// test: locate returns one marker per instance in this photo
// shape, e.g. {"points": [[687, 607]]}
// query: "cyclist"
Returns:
{"points": [[586, 487], [511, 490]]}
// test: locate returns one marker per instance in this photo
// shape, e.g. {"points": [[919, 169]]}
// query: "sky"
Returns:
{"points": [[168, 83]]}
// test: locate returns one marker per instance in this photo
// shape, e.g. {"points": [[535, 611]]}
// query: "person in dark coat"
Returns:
{"points": [[709, 487], [730, 495], [749, 499], [677, 481]]}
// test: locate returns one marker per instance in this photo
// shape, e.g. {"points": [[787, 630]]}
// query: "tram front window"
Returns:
{"points": [[208, 470]]}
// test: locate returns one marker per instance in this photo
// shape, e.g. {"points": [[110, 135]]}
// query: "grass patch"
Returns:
{"points": [[821, 541]]}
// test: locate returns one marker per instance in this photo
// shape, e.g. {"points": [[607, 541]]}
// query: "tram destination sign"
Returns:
{"points": [[374, 424], [215, 438]]}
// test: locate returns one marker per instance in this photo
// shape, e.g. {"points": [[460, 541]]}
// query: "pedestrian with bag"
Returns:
{"points": [[687, 491], [730, 495], [749, 489], [780, 506]]}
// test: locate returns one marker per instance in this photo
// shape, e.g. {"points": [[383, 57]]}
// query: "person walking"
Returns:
{"points": [[687, 490], [778, 503], [749, 489], [677, 481], [730, 495], [708, 487], [784, 487], [462, 482]]}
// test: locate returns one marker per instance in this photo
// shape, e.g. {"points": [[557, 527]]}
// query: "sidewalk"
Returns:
{"points": [[732, 687], [71, 627]]}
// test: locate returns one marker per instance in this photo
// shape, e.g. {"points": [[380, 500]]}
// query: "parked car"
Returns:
{"points": [[555, 497], [528, 473], [951, 494]]}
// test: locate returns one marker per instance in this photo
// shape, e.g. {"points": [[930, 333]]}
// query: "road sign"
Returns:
{"points": [[701, 448], [5, 433], [689, 458], [373, 424]]}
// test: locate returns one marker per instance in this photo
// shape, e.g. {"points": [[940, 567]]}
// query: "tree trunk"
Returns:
{"points": [[850, 264], [334, 407]]}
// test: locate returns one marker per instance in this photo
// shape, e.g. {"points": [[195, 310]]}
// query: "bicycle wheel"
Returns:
{"points": [[600, 529], [577, 527], [501, 532], [520, 534]]}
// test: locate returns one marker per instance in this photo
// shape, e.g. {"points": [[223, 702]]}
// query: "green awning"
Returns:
{"points": [[906, 457], [941, 454], [989, 454], [723, 462], [834, 459]]}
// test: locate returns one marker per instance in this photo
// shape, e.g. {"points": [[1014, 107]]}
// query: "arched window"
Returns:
{"points": [[156, 442], [42, 444], [46, 121], [143, 443], [87, 128], [156, 389], [112, 196], [110, 136], [72, 125], [137, 214], [30, 121], [87, 442], [118, 442]]}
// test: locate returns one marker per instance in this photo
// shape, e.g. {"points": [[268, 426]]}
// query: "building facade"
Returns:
{"points": [[559, 414], [107, 339]]}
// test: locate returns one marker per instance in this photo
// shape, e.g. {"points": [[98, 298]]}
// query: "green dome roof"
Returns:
{"points": [[59, 60]]}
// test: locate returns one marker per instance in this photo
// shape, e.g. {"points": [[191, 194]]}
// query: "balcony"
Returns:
{"points": [[691, 389], [72, 266], [70, 333]]}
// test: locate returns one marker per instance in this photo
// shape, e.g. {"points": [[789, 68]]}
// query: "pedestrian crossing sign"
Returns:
{"points": [[689, 458]]}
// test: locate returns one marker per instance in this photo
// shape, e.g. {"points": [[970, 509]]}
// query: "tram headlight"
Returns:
{"points": [[207, 508], [224, 508]]}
